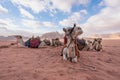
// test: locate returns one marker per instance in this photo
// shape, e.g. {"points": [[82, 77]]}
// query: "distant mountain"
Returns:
{"points": [[7, 38], [52, 35], [10, 38], [111, 35]]}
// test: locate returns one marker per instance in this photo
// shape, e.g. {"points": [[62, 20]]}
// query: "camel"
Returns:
{"points": [[42, 44], [70, 49], [32, 42], [96, 45], [84, 45], [19, 42], [47, 42], [87, 45], [56, 42]]}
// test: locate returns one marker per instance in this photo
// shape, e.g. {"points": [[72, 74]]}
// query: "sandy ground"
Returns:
{"points": [[47, 64]]}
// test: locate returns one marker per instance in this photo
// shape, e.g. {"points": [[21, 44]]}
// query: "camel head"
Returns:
{"points": [[98, 40], [73, 31], [18, 36]]}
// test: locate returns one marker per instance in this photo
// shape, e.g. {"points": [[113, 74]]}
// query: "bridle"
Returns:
{"points": [[71, 36]]}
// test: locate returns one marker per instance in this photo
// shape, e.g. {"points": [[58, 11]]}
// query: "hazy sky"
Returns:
{"points": [[41, 16]]}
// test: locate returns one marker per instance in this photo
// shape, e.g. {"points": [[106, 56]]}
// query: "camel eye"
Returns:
{"points": [[64, 29]]}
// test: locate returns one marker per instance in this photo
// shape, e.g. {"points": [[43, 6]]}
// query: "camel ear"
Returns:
{"points": [[64, 29]]}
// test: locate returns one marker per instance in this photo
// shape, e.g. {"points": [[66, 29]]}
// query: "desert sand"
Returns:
{"points": [[47, 64]]}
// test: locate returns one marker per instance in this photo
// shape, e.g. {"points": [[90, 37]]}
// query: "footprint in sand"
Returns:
{"points": [[35, 75], [114, 73], [45, 79], [108, 60]]}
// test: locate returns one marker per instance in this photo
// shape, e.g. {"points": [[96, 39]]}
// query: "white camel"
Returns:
{"points": [[20, 42]]}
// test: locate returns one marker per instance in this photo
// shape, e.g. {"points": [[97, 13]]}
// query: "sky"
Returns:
{"points": [[36, 17]]}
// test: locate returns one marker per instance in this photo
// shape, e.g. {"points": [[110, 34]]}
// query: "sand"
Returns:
{"points": [[47, 64]]}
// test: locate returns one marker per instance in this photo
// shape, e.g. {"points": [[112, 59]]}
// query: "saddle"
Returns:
{"points": [[34, 43], [27, 43], [81, 43]]}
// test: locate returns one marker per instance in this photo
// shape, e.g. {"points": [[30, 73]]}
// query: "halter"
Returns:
{"points": [[71, 36]]}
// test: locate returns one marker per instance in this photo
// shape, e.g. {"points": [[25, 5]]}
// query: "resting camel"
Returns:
{"points": [[96, 45], [56, 42], [42, 44], [19, 41], [47, 42], [84, 45], [70, 50]]}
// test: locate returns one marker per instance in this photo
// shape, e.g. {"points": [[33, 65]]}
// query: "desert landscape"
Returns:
{"points": [[47, 64], [33, 34]]}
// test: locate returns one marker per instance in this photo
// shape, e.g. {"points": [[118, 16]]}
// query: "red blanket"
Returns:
{"points": [[65, 40]]}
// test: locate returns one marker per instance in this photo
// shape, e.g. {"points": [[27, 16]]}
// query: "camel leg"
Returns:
{"points": [[76, 55], [65, 54], [74, 59], [62, 50]]}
